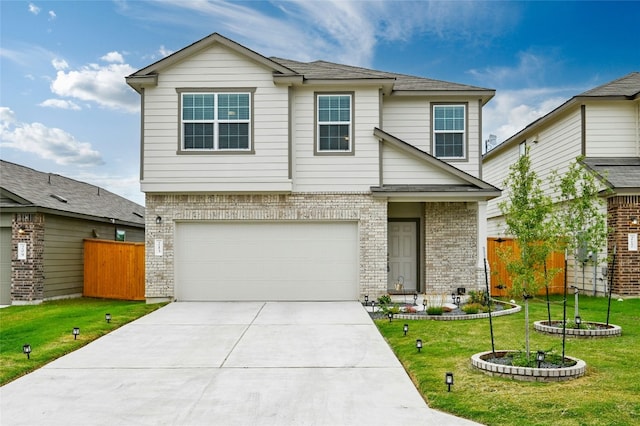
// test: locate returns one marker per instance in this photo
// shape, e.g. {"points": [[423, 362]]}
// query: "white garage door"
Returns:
{"points": [[266, 261]]}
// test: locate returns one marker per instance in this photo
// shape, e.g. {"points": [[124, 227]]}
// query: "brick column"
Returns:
{"points": [[621, 210], [27, 275]]}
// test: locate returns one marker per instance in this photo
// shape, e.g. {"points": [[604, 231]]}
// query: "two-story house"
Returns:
{"points": [[272, 179], [603, 126]]}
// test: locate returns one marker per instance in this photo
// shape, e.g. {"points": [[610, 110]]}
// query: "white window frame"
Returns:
{"points": [[350, 123], [216, 121], [463, 132]]}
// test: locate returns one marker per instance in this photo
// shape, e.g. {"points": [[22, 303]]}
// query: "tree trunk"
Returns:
{"points": [[526, 325]]}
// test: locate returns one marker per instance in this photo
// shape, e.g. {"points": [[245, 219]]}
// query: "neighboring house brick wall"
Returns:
{"points": [[27, 279], [450, 230], [627, 263], [370, 213]]}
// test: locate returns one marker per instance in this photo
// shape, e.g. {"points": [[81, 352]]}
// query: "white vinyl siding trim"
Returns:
{"points": [[612, 129], [399, 168], [356, 172], [220, 68]]}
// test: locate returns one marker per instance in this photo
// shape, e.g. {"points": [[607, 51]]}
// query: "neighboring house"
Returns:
{"points": [[603, 125], [44, 219], [271, 179]]}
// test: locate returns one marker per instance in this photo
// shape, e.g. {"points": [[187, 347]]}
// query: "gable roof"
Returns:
{"points": [[472, 186], [290, 71], [620, 174], [623, 88], [25, 189]]}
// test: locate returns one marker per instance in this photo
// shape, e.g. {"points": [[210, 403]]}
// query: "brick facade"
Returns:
{"points": [[451, 247], [370, 213], [27, 275], [626, 276]]}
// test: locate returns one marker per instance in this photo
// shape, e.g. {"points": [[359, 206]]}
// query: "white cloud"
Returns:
{"points": [[45, 142], [34, 9], [60, 104], [100, 84], [125, 185], [512, 110], [113, 57], [52, 15], [164, 52], [59, 64]]}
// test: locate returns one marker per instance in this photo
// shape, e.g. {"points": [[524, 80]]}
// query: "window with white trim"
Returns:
{"points": [[334, 123], [216, 121], [449, 130]]}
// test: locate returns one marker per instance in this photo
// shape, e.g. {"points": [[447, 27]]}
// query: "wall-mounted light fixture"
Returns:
{"points": [[158, 220], [634, 221], [21, 230]]}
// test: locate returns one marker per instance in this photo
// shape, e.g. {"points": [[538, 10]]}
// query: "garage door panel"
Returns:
{"points": [[266, 261]]}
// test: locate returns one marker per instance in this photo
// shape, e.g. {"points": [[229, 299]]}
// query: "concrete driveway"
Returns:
{"points": [[227, 363]]}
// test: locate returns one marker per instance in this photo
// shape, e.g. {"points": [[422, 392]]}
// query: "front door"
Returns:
{"points": [[403, 256]]}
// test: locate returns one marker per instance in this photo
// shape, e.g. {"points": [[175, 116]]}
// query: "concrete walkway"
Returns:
{"points": [[227, 363]]}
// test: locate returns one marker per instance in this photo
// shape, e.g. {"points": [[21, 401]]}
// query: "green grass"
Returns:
{"points": [[608, 394], [47, 327]]}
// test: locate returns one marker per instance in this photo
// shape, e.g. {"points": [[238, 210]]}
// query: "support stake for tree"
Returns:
{"points": [[564, 308], [613, 268], [486, 281]]}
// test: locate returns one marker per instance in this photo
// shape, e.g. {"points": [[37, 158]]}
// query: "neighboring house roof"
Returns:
{"points": [[620, 174], [24, 189], [290, 71], [623, 88], [472, 186]]}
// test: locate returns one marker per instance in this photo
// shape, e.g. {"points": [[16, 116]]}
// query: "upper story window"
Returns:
{"points": [[449, 131], [216, 121], [334, 113]]}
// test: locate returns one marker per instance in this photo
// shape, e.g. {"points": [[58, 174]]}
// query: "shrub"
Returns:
{"points": [[435, 310], [472, 308]]}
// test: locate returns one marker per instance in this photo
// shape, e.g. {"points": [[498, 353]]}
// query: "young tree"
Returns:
{"points": [[527, 213], [580, 213]]}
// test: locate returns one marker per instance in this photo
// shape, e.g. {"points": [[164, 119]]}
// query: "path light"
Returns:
{"points": [[405, 328], [390, 315], [448, 380], [107, 317], [366, 299], [415, 299], [26, 349], [424, 304], [458, 301], [76, 331], [453, 298], [419, 344], [578, 321], [540, 357], [373, 306]]}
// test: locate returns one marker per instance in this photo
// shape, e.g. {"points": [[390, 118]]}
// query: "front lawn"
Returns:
{"points": [[608, 394], [48, 327]]}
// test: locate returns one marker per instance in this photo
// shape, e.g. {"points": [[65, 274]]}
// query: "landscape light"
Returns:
{"points": [[26, 349], [373, 306], [448, 380], [458, 301], [76, 331], [390, 315], [405, 328], [453, 298], [366, 299], [107, 317], [540, 357], [578, 321], [419, 344], [415, 299], [424, 304]]}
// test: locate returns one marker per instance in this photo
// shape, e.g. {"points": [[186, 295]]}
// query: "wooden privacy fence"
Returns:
{"points": [[500, 281], [114, 269]]}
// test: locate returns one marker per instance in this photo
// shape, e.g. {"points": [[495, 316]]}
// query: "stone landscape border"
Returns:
{"points": [[512, 310], [528, 374], [610, 330]]}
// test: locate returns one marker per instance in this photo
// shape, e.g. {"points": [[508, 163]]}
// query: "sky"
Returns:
{"points": [[65, 107]]}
